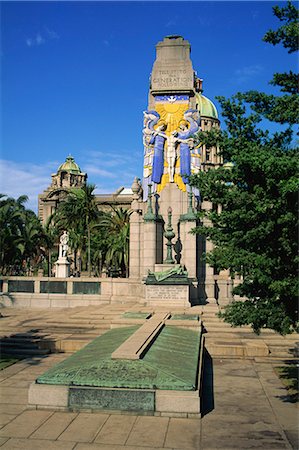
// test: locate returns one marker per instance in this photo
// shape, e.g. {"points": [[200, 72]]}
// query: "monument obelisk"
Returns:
{"points": [[171, 155]]}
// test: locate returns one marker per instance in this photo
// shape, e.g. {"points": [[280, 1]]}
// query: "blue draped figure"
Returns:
{"points": [[158, 138], [154, 142], [184, 139]]}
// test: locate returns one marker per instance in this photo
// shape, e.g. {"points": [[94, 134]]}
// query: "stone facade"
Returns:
{"points": [[69, 176]]}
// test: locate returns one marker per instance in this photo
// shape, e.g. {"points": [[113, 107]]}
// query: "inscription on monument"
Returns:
{"points": [[172, 78], [167, 292], [120, 399]]}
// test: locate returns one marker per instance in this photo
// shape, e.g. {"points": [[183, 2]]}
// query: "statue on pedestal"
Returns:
{"points": [[62, 264], [63, 246]]}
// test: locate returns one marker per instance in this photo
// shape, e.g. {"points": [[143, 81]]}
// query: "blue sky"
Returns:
{"points": [[75, 79]]}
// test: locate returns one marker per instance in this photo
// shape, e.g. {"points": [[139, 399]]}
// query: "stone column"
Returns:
{"points": [[189, 258], [210, 280], [149, 246], [224, 284], [36, 286], [135, 240], [135, 232]]}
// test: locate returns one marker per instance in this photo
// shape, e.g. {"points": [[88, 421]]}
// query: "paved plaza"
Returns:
{"points": [[244, 405]]}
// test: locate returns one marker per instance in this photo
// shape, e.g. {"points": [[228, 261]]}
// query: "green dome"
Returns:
{"points": [[69, 166], [205, 106]]}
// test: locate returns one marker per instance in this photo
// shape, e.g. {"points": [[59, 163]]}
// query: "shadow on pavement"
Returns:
{"points": [[207, 399]]}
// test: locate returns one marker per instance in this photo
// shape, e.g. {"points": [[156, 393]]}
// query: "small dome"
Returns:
{"points": [[205, 106], [69, 166]]}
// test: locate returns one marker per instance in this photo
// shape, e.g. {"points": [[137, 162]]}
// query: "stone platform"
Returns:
{"points": [[106, 374]]}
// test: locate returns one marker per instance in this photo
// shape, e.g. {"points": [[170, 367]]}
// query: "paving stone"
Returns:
{"points": [[6, 418], [12, 408], [116, 430], [54, 426], [12, 370], [25, 424], [12, 382], [113, 447], [84, 428], [184, 433], [232, 442], [14, 395], [148, 431], [32, 444]]}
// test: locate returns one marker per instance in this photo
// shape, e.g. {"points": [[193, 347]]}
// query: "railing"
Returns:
{"points": [[35, 285]]}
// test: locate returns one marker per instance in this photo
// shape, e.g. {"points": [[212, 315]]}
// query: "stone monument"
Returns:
{"points": [[176, 111], [62, 264]]}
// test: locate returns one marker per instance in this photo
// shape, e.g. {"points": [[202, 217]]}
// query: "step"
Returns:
{"points": [[24, 345], [243, 349], [25, 352]]}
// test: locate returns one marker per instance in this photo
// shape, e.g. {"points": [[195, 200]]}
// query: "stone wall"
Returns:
{"points": [[36, 292]]}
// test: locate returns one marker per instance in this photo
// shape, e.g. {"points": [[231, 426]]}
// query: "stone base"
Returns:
{"points": [[62, 268], [158, 402], [142, 401], [167, 295]]}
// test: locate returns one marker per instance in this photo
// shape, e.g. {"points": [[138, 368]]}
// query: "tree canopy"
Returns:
{"points": [[22, 238], [255, 230]]}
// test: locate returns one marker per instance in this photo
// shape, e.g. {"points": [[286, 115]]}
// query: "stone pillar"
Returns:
{"points": [[209, 278], [189, 247], [149, 246], [224, 286], [135, 253], [135, 243], [69, 287], [36, 286]]}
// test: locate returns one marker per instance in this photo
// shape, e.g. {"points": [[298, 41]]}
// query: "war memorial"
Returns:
{"points": [[133, 367], [146, 355]]}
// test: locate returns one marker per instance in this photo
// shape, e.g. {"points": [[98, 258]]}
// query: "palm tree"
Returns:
{"points": [[10, 232], [77, 214], [21, 234], [117, 225], [33, 239]]}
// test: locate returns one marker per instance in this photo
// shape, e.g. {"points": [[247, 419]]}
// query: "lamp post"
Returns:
{"points": [[169, 234]]}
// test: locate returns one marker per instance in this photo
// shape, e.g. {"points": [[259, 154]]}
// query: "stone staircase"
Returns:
{"points": [[29, 333], [53, 331], [22, 345], [223, 340]]}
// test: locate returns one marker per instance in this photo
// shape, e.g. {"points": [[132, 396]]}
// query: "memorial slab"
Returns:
{"points": [[91, 380]]}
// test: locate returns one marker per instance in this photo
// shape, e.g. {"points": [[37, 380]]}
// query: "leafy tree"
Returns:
{"points": [[21, 236], [284, 108], [77, 214], [255, 230], [117, 226]]}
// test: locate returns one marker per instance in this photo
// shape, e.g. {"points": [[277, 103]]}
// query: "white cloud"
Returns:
{"points": [[108, 171], [36, 40], [24, 178], [172, 22], [92, 170], [41, 37], [246, 73], [51, 34]]}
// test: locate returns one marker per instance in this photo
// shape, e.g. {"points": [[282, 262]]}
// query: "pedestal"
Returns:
{"points": [[62, 268]]}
